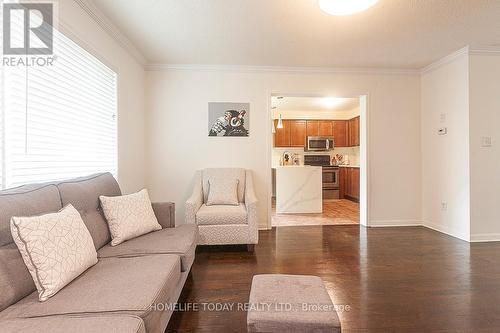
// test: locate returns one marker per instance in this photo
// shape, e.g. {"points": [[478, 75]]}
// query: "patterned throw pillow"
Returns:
{"points": [[129, 216], [223, 191], [56, 248]]}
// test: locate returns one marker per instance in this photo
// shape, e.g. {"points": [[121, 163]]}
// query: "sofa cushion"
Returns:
{"points": [[223, 214], [114, 286], [26, 200], [83, 193], [63, 324], [180, 240], [56, 248], [129, 216], [15, 279], [214, 174]]}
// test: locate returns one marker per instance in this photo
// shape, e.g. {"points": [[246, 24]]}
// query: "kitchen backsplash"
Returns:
{"points": [[352, 152]]}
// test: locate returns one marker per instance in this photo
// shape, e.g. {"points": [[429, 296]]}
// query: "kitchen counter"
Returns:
{"points": [[348, 166], [299, 189]]}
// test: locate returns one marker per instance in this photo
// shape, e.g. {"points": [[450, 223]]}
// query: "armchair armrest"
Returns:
{"points": [[251, 206], [165, 213], [194, 202]]}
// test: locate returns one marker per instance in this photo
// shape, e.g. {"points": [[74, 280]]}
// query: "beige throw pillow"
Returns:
{"points": [[56, 248], [129, 216], [223, 191]]}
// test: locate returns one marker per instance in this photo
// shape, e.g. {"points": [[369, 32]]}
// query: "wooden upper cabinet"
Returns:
{"points": [[354, 132], [312, 127], [297, 133], [325, 128], [340, 133], [282, 135]]}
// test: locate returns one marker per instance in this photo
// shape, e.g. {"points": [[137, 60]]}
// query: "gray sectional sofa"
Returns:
{"points": [[128, 290]]}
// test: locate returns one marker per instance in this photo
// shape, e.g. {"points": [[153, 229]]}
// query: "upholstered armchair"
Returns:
{"points": [[224, 224]]}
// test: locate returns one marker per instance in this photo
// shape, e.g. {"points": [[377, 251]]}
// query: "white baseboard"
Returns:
{"points": [[394, 223], [476, 238], [445, 230]]}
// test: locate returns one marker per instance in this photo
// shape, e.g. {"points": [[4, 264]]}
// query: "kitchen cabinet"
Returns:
{"points": [[342, 182], [297, 133], [354, 132], [325, 128], [354, 183], [282, 135], [319, 128], [349, 183], [340, 133], [312, 128]]}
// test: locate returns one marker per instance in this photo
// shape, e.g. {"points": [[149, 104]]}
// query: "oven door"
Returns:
{"points": [[319, 143], [330, 178]]}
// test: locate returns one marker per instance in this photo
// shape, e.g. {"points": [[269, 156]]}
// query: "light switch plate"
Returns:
{"points": [[442, 117]]}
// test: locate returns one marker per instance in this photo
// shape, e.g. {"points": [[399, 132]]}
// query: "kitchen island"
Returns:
{"points": [[299, 189]]}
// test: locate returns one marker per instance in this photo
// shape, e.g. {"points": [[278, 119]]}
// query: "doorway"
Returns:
{"points": [[317, 158]]}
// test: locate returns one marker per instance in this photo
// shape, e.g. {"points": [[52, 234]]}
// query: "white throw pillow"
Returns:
{"points": [[223, 191], [129, 216], [56, 248]]}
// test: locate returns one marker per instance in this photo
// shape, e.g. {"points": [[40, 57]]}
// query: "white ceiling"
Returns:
{"points": [[295, 103], [406, 34]]}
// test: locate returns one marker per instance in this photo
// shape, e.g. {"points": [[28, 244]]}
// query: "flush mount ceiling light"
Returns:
{"points": [[332, 102], [345, 7]]}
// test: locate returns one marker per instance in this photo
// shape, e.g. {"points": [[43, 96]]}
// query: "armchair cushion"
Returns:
{"points": [[216, 174], [223, 192], [221, 215]]}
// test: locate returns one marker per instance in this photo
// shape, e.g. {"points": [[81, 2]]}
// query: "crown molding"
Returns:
{"points": [[98, 16], [443, 61], [280, 69], [487, 51]]}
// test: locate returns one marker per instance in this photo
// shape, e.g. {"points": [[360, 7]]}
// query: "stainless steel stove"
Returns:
{"points": [[330, 174]]}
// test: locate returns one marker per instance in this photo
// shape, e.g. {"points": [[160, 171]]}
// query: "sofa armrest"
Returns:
{"points": [[195, 201], [165, 213], [251, 206]]}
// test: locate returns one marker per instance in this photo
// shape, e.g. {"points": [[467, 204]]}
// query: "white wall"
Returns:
{"points": [[445, 159], [485, 161], [78, 25], [178, 143]]}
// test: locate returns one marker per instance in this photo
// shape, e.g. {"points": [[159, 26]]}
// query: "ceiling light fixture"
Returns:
{"points": [[345, 7], [331, 102]]}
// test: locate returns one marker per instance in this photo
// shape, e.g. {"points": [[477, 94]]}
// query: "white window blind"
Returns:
{"points": [[59, 121]]}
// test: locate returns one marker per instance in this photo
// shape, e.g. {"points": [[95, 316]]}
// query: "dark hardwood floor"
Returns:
{"points": [[393, 279]]}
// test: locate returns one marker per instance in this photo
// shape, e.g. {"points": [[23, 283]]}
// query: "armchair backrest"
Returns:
{"points": [[223, 173]]}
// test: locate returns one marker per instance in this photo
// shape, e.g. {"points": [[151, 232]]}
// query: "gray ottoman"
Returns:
{"points": [[290, 303]]}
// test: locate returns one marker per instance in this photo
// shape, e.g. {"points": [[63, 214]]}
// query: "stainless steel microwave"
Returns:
{"points": [[319, 143]]}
